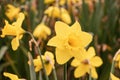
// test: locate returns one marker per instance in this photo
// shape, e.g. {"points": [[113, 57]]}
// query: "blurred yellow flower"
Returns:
{"points": [[48, 60], [41, 31], [65, 17], [118, 60], [69, 41], [113, 77], [48, 1], [60, 13], [11, 76], [87, 63], [14, 30], [12, 11], [53, 11]]}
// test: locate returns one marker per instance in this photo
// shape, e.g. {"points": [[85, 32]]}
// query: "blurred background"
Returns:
{"points": [[99, 17]]}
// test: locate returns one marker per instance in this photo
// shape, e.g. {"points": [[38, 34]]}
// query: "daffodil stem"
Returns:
{"points": [[42, 63], [90, 78], [39, 51], [65, 71], [54, 74], [112, 68], [40, 75]]}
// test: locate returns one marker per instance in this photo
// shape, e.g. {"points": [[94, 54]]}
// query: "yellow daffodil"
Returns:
{"points": [[65, 16], [11, 76], [69, 41], [113, 77], [53, 12], [118, 60], [87, 63], [41, 31], [48, 1], [12, 11], [48, 60], [14, 30]]}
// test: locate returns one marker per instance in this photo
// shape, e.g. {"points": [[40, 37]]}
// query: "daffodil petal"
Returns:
{"points": [[62, 55], [47, 53], [119, 64], [15, 43], [86, 38], [48, 68], [11, 76], [56, 42], [94, 73], [113, 77], [90, 53], [81, 70], [96, 61], [61, 29], [75, 62], [76, 27]]}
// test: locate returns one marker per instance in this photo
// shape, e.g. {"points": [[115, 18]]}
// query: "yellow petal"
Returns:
{"points": [[81, 70], [90, 53], [76, 27], [11, 76], [62, 29], [75, 62], [119, 64], [48, 1], [113, 77], [94, 73], [41, 31], [47, 53], [118, 57], [56, 42], [48, 68], [65, 16], [8, 30], [19, 21], [96, 61], [62, 55], [15, 43], [86, 38]]}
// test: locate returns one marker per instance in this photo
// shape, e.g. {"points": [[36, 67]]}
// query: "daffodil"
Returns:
{"points": [[87, 63], [11, 76], [69, 41], [12, 11], [48, 60], [113, 77], [118, 60], [14, 30], [42, 31], [65, 17], [53, 11], [48, 1]]}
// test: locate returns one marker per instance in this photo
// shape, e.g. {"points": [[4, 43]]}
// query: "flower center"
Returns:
{"points": [[73, 40], [86, 61]]}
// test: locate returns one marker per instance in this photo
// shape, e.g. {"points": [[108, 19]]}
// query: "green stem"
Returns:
{"points": [[40, 76], [65, 71], [90, 78], [39, 51], [112, 68], [54, 74]]}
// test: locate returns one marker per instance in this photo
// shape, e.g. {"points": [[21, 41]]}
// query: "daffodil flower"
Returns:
{"points": [[12, 11], [53, 11], [11, 76], [118, 60], [113, 77], [48, 60], [14, 30], [65, 17], [42, 31], [87, 63], [48, 1], [69, 41]]}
